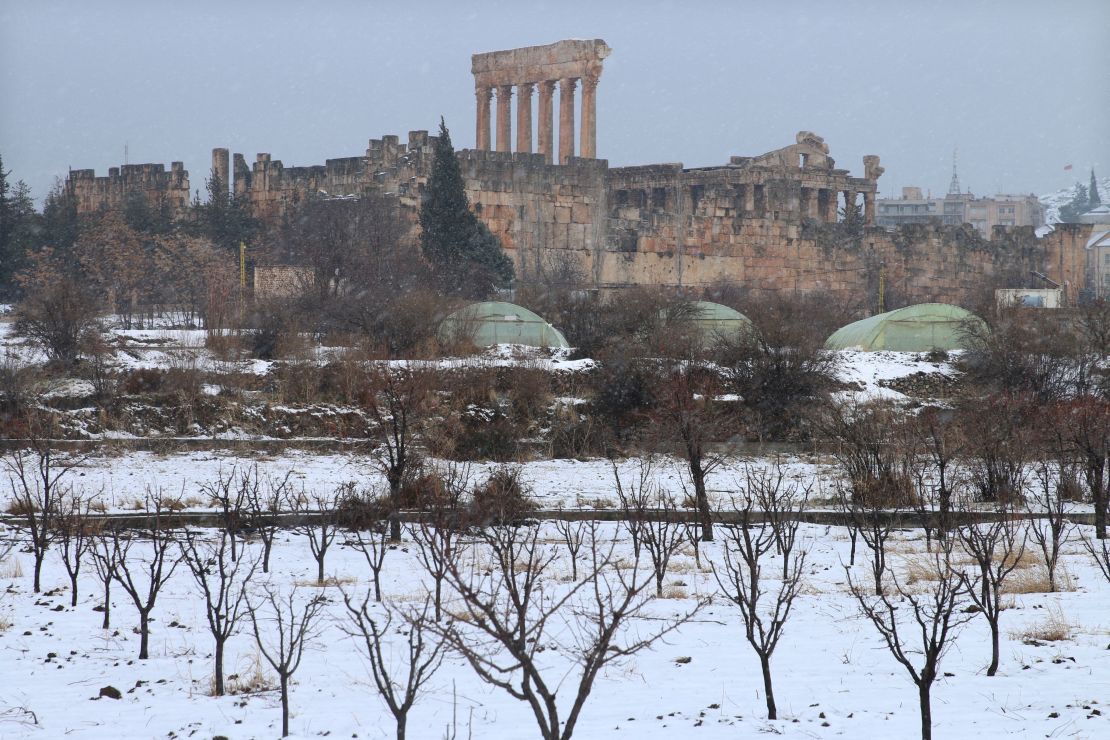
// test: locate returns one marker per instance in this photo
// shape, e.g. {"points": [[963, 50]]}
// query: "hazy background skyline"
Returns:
{"points": [[1021, 88]]}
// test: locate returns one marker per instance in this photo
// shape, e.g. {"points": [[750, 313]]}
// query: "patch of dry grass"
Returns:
{"points": [[11, 568], [1052, 627], [674, 591], [1035, 581], [251, 681], [329, 582]]}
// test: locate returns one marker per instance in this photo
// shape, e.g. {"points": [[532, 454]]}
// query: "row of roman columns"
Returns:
{"points": [[545, 145]]}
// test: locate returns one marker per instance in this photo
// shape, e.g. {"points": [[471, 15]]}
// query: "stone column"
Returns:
{"points": [[749, 198], [524, 117], [587, 141], [484, 95], [828, 215], [566, 118], [504, 126], [809, 203], [546, 140], [869, 208]]}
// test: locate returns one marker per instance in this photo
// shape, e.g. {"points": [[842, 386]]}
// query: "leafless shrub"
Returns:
{"points": [[106, 563], [652, 519], [222, 579], [572, 532], [503, 498], [438, 535], [398, 689], [265, 498], [291, 628], [229, 492]]}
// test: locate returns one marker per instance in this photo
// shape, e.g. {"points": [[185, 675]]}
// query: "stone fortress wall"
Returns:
{"points": [[770, 222]]}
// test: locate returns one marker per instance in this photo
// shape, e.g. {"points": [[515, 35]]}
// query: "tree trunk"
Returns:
{"points": [[853, 533], [284, 705], [267, 544], [402, 719], [1098, 493], [219, 667], [926, 711], [320, 570], [698, 475], [39, 557], [144, 635], [993, 669], [439, 598], [765, 663], [107, 623], [73, 589]]}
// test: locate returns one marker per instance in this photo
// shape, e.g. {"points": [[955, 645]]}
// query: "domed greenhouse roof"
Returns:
{"points": [[497, 322], [920, 328]]}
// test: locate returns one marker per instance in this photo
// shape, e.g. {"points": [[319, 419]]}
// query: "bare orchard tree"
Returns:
{"points": [[281, 629], [995, 548], [229, 492], [35, 477], [782, 502], [106, 563], [874, 525], [653, 521], [222, 580], [1101, 554], [918, 625], [75, 532], [512, 617], [317, 520], [397, 400], [145, 561], [1049, 526], [749, 546], [366, 517], [266, 497], [438, 537], [399, 687], [572, 533]]}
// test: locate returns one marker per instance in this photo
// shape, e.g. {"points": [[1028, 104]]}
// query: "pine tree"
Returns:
{"points": [[466, 256], [1079, 204], [1092, 193]]}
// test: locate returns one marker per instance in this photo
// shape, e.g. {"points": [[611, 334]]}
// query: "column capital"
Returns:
{"points": [[589, 82], [504, 91], [567, 84], [483, 93], [547, 86], [525, 88]]}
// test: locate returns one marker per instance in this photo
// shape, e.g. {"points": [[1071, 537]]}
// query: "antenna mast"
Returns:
{"points": [[954, 185]]}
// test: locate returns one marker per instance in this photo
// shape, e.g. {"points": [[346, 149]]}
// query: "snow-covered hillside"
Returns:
{"points": [[1054, 201]]}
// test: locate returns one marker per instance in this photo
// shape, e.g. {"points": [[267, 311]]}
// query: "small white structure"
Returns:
{"points": [[1028, 297]]}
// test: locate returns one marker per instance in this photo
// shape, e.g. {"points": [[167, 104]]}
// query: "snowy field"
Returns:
{"points": [[833, 678]]}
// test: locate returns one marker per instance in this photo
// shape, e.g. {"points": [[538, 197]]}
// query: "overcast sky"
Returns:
{"points": [[1020, 88]]}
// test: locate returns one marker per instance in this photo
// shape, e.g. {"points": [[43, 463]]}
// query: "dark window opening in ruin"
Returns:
{"points": [[696, 192], [622, 198], [639, 198], [804, 161], [658, 199], [760, 200]]}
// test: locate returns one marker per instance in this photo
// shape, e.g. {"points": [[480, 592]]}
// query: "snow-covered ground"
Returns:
{"points": [[833, 678], [1053, 202]]}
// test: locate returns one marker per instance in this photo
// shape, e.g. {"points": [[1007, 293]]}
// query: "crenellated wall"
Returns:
{"points": [[169, 190]]}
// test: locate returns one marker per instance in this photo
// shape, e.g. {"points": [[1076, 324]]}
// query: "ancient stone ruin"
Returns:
{"points": [[772, 222]]}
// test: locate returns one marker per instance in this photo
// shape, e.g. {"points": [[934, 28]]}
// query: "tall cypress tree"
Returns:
{"points": [[1092, 192], [466, 256]]}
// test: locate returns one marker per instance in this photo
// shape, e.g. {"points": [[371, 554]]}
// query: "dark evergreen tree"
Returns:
{"points": [[467, 258], [1093, 200], [1079, 204], [224, 219]]}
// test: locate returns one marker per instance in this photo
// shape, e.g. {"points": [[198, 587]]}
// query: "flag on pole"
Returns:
{"points": [[1067, 167]]}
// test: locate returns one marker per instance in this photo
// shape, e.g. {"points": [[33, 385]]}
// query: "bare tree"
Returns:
{"points": [[572, 532], [294, 628], [509, 618], [35, 476], [934, 616], [264, 501], [1101, 554], [318, 520], [106, 563], [652, 518], [1049, 526], [397, 400], [995, 548], [143, 576], [75, 532], [230, 492], [373, 543], [782, 503], [873, 525], [222, 580], [399, 688], [747, 547]]}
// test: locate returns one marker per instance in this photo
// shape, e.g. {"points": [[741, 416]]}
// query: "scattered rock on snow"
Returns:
{"points": [[111, 692]]}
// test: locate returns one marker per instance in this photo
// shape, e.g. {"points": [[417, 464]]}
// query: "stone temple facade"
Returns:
{"points": [[771, 222]]}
